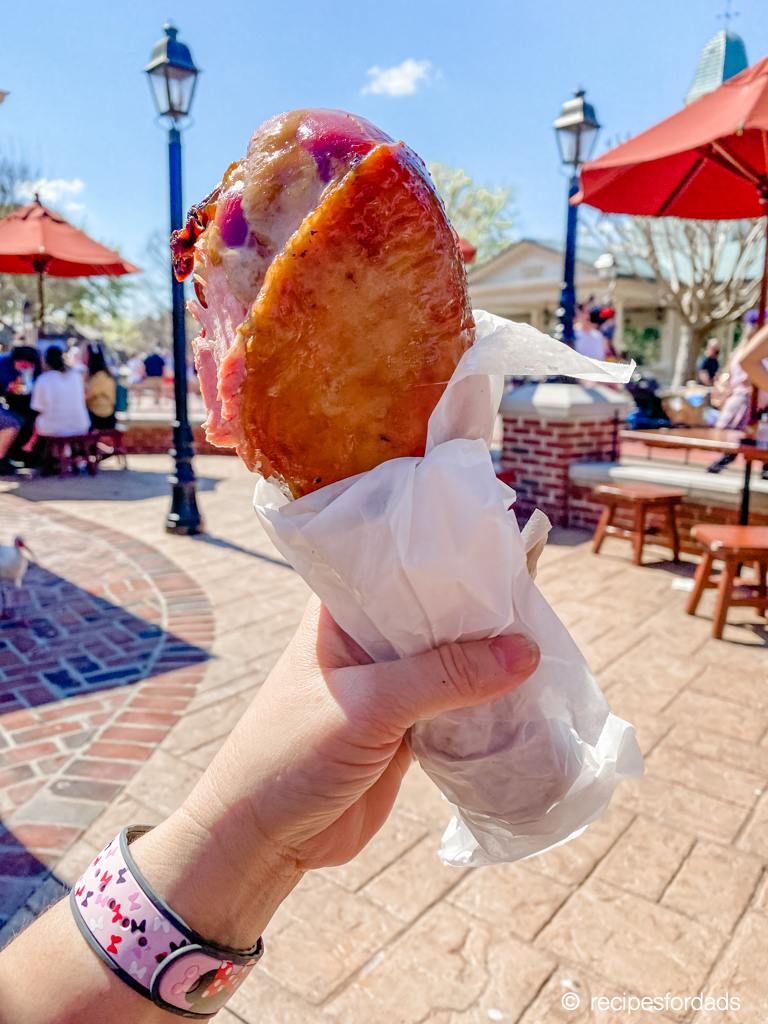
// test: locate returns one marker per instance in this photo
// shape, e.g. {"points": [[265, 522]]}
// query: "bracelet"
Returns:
{"points": [[145, 944]]}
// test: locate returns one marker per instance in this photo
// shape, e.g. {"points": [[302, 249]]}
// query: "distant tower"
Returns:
{"points": [[723, 57]]}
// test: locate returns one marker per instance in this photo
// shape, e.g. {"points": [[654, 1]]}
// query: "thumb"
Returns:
{"points": [[452, 676]]}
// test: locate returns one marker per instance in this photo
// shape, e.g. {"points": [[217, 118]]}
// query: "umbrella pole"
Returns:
{"points": [[764, 284], [761, 308], [41, 302]]}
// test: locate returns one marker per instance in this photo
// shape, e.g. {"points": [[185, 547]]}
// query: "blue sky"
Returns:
{"points": [[486, 80]]}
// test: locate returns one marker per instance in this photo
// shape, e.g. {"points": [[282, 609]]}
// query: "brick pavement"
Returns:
{"points": [[668, 892], [103, 652]]}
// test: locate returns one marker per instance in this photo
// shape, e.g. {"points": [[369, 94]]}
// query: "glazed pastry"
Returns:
{"points": [[332, 296]]}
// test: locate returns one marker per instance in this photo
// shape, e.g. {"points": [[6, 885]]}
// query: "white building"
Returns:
{"points": [[523, 283]]}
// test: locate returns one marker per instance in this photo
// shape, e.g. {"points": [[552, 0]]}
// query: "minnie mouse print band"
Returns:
{"points": [[149, 947]]}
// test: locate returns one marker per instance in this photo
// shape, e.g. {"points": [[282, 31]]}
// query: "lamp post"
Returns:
{"points": [[576, 131], [172, 77]]}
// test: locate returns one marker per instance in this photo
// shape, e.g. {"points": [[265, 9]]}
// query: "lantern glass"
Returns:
{"points": [[159, 89], [181, 88], [589, 135], [568, 143]]}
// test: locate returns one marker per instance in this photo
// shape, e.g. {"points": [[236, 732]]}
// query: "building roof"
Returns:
{"points": [[723, 57], [586, 254], [625, 267], [634, 267]]}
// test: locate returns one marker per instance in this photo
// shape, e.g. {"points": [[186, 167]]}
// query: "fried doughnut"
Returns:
{"points": [[333, 299]]}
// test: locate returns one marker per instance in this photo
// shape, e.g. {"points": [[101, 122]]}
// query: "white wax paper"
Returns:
{"points": [[419, 552]]}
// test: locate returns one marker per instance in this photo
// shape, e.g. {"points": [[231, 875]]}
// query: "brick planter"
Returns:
{"points": [[549, 426], [156, 438]]}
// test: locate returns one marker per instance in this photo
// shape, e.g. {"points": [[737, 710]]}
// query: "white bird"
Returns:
{"points": [[14, 559]]}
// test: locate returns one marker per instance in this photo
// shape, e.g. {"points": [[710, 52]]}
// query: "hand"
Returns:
{"points": [[752, 358], [29, 446], [311, 772]]}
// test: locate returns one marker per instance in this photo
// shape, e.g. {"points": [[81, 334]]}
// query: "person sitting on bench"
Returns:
{"points": [[100, 391], [58, 397]]}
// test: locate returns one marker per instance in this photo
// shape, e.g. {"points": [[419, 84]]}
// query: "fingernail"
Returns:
{"points": [[515, 653]]}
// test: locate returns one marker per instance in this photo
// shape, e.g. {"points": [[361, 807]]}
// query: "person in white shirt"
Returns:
{"points": [[588, 341], [58, 398]]}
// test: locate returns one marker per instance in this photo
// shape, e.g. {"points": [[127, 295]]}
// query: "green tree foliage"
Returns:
{"points": [[100, 300], [481, 217], [642, 345]]}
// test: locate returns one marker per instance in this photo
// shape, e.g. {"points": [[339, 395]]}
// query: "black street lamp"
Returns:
{"points": [[576, 131], [172, 77]]}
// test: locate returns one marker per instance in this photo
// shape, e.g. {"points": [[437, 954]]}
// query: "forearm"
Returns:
{"points": [[49, 975], [223, 879], [756, 372], [752, 359], [226, 895]]}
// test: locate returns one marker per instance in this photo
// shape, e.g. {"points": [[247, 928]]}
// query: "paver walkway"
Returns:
{"points": [[665, 897], [100, 613]]}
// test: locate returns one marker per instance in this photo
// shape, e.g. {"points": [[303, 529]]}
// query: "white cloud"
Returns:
{"points": [[53, 191], [402, 80]]}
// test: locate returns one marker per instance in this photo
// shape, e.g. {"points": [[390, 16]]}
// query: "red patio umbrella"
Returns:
{"points": [[708, 161], [36, 240]]}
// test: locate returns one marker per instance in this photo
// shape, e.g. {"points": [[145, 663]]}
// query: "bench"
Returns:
{"points": [[734, 545], [63, 456], [641, 498]]}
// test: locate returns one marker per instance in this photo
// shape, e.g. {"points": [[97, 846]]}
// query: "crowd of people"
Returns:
{"points": [[68, 391], [63, 394]]}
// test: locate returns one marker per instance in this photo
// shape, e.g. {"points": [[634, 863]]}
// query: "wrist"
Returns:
{"points": [[222, 880]]}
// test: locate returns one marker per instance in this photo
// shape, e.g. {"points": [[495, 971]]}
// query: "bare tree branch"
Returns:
{"points": [[707, 270]]}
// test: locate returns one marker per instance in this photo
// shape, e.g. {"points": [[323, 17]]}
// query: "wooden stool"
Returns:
{"points": [[641, 498], [61, 455], [734, 545]]}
